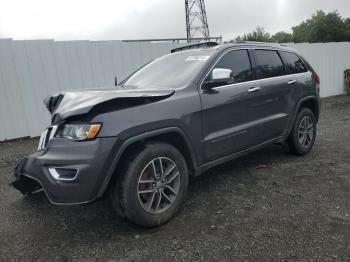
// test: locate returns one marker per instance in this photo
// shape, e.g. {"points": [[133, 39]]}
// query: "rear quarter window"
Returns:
{"points": [[268, 64], [293, 63]]}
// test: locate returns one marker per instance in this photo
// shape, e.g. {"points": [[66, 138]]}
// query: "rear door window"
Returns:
{"points": [[268, 64], [293, 63]]}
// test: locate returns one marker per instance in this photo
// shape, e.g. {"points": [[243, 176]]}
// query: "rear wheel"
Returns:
{"points": [[303, 135], [152, 185]]}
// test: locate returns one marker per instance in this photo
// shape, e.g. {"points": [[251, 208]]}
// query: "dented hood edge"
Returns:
{"points": [[67, 104]]}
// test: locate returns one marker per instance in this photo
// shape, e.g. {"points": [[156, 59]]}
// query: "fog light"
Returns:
{"points": [[64, 174]]}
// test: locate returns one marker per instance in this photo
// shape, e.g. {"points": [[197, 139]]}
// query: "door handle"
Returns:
{"points": [[254, 89], [292, 82]]}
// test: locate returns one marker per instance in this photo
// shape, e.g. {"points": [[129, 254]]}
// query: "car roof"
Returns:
{"points": [[256, 45], [247, 44]]}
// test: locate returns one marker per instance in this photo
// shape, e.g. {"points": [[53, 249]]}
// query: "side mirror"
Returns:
{"points": [[219, 76]]}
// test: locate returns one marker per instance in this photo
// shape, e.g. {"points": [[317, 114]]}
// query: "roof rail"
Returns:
{"points": [[193, 46], [258, 43]]}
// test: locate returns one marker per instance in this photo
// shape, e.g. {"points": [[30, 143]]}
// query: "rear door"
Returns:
{"points": [[232, 112], [299, 76], [278, 88]]}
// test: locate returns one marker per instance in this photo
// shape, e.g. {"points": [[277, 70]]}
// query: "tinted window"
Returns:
{"points": [[293, 63], [269, 64], [238, 61], [174, 70]]}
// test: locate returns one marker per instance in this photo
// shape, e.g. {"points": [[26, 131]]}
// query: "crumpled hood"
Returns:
{"points": [[72, 103]]}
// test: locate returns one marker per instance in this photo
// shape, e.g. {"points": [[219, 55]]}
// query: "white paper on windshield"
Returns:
{"points": [[197, 58]]}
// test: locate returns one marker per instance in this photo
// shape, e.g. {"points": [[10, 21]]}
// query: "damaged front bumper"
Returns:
{"points": [[25, 184], [68, 172]]}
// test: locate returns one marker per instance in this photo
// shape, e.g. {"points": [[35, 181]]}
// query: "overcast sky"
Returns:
{"points": [[137, 19]]}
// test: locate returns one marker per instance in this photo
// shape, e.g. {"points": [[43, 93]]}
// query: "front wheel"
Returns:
{"points": [[152, 185], [303, 135]]}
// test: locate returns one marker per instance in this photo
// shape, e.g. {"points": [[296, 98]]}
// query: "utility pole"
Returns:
{"points": [[196, 20]]}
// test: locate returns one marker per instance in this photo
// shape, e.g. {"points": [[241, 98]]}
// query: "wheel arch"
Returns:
{"points": [[310, 102], [171, 135]]}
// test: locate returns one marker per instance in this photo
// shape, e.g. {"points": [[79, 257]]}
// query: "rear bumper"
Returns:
{"points": [[91, 160]]}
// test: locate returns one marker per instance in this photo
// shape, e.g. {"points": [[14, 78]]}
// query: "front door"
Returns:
{"points": [[233, 112]]}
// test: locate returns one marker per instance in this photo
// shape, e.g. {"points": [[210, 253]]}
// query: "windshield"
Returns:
{"points": [[170, 71]]}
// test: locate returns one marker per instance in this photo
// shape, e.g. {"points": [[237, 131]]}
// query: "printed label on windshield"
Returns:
{"points": [[197, 58]]}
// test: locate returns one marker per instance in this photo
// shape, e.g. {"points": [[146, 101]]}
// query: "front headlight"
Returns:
{"points": [[79, 132]]}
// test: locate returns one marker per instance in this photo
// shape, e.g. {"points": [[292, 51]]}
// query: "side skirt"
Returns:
{"points": [[224, 159]]}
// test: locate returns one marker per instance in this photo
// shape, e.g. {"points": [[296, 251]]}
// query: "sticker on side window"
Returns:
{"points": [[197, 58]]}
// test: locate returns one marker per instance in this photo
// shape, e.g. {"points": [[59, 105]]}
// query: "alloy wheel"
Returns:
{"points": [[158, 185], [306, 131]]}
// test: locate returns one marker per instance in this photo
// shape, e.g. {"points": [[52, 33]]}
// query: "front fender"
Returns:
{"points": [[141, 137]]}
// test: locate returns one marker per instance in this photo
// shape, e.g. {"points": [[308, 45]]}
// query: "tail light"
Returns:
{"points": [[317, 79]]}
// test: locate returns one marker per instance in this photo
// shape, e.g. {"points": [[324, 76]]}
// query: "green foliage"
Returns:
{"points": [[258, 35], [321, 27], [347, 25], [282, 37]]}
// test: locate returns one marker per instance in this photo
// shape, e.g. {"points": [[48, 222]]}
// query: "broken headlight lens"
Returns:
{"points": [[79, 132]]}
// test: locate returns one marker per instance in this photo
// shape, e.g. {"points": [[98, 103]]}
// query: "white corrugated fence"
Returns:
{"points": [[329, 61], [32, 69]]}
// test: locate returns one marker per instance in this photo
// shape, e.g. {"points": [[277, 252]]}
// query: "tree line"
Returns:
{"points": [[320, 28]]}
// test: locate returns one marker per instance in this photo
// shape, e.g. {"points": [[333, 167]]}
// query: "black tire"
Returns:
{"points": [[299, 145], [126, 198]]}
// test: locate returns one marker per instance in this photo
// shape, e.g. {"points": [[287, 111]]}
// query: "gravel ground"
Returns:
{"points": [[293, 209]]}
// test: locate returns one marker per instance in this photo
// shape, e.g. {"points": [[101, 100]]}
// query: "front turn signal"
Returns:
{"points": [[93, 131]]}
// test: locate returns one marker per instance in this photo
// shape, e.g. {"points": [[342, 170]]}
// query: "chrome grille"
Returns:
{"points": [[46, 136]]}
